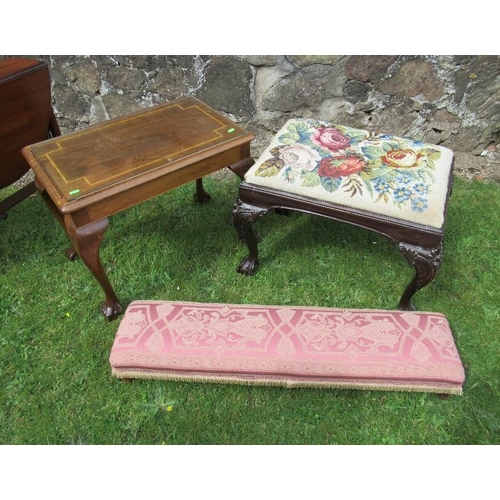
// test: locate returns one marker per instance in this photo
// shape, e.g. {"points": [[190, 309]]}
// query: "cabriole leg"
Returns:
{"points": [[86, 241], [244, 216], [426, 263]]}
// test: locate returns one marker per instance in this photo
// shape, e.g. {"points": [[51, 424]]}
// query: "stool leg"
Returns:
{"points": [[244, 216], [426, 263]]}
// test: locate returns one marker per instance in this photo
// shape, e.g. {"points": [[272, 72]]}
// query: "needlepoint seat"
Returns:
{"points": [[395, 186]]}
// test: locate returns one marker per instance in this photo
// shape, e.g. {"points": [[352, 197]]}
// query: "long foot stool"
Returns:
{"points": [[287, 346], [394, 186]]}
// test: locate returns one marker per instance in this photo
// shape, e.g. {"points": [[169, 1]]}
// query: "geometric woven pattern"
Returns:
{"points": [[289, 346], [382, 174]]}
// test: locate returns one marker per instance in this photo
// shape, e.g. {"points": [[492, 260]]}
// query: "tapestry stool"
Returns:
{"points": [[287, 346], [395, 186]]}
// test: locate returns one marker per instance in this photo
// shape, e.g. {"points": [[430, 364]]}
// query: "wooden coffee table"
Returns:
{"points": [[86, 176]]}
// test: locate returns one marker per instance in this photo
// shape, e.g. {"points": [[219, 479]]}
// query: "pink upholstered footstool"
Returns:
{"points": [[288, 346]]}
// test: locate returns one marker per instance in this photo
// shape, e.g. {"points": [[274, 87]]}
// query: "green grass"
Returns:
{"points": [[55, 380]]}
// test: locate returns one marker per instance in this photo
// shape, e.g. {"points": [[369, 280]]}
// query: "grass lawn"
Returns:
{"points": [[55, 380]]}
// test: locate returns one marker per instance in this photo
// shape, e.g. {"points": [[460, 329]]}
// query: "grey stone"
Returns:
{"points": [[263, 60], [368, 68], [303, 61], [331, 110], [468, 138], [144, 62], [98, 111], [126, 79], [306, 88], [119, 105], [85, 76], [483, 93], [227, 86], [169, 83], [192, 68], [69, 104], [355, 91], [394, 120], [414, 78], [268, 76], [441, 126]]}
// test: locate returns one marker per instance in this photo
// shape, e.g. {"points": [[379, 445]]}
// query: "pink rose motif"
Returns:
{"points": [[299, 156], [330, 139], [340, 166], [401, 158]]}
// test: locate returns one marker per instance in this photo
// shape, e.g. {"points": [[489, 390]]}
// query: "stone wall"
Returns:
{"points": [[448, 100]]}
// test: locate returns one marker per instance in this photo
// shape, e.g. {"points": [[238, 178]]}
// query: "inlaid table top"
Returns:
{"points": [[84, 166]]}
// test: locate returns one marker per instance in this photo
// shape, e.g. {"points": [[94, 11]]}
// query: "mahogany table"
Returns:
{"points": [[86, 176]]}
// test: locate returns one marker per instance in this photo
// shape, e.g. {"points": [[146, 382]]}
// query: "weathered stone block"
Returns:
{"points": [[368, 68], [227, 86], [414, 78]]}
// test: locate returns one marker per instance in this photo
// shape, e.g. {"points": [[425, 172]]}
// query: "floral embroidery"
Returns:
{"points": [[340, 166], [330, 139], [390, 169], [299, 156]]}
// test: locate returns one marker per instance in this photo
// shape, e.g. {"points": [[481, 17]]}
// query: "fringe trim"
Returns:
{"points": [[291, 384]]}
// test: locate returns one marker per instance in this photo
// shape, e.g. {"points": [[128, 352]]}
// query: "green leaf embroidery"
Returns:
{"points": [[373, 152], [270, 168], [311, 180]]}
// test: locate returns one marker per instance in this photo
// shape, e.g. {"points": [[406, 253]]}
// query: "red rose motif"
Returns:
{"points": [[340, 166], [330, 139]]}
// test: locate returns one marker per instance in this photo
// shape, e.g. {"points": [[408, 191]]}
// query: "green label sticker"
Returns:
{"points": [[230, 131], [75, 191]]}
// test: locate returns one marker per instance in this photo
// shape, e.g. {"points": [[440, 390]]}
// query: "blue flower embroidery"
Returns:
{"points": [[382, 187], [421, 188], [404, 178], [402, 194], [419, 204]]}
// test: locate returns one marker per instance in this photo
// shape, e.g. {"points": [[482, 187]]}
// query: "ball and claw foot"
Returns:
{"points": [[111, 311], [247, 266]]}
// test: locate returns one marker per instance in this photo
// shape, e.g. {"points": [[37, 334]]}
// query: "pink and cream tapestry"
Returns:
{"points": [[393, 176], [288, 346]]}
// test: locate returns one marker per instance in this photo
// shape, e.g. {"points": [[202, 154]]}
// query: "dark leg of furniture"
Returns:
{"points": [[243, 217], [426, 263], [424, 257], [239, 169], [201, 196], [87, 242]]}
